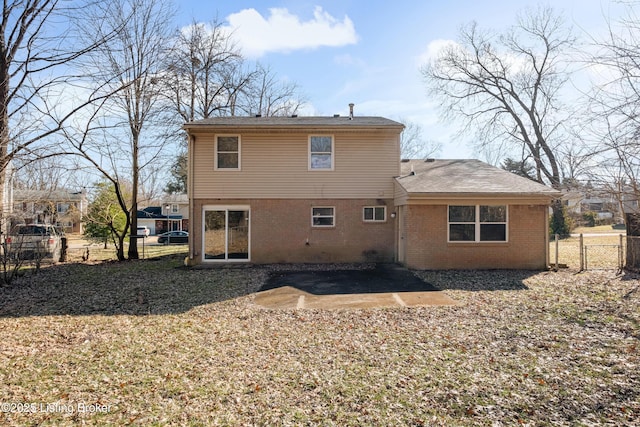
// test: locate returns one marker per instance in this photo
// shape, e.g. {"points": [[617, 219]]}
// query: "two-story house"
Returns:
{"points": [[333, 189], [62, 208]]}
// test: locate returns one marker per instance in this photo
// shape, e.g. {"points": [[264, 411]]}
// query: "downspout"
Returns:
{"points": [[546, 232], [190, 179]]}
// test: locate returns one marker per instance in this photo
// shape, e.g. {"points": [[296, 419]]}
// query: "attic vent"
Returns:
{"points": [[294, 116], [336, 115], [429, 160], [405, 160], [258, 115]]}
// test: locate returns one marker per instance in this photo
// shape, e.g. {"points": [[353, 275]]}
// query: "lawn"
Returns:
{"points": [[151, 343]]}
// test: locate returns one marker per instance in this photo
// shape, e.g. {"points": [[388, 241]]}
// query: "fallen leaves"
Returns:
{"points": [[524, 347]]}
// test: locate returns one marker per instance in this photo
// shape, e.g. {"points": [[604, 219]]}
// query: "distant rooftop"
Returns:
{"points": [[295, 121]]}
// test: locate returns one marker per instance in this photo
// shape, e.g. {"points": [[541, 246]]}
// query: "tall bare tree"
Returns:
{"points": [[266, 94], [40, 89], [615, 108], [505, 87], [413, 145], [202, 73], [126, 137]]}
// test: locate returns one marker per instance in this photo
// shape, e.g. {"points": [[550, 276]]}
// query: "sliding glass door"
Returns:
{"points": [[226, 233]]}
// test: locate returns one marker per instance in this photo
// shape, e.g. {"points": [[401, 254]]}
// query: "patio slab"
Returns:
{"points": [[386, 285]]}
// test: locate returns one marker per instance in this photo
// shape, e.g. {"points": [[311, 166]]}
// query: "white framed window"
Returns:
{"points": [[477, 223], [323, 216], [374, 214], [321, 149], [227, 152], [175, 208]]}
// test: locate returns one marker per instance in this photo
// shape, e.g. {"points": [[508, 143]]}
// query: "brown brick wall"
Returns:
{"points": [[427, 246], [280, 229]]}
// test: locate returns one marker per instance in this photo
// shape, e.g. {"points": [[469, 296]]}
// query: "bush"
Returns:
{"points": [[561, 222], [590, 219]]}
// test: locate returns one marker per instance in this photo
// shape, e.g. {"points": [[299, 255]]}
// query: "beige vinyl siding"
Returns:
{"points": [[275, 165]]}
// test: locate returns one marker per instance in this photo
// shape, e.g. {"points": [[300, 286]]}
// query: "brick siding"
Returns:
{"points": [[281, 228], [427, 246]]}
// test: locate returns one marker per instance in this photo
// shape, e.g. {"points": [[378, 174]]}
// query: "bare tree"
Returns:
{"points": [[505, 87], [615, 108], [44, 174], [265, 94], [202, 74], [125, 137], [40, 90], [413, 145]]}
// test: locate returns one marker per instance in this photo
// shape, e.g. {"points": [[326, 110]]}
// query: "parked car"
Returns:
{"points": [[34, 241], [143, 230], [173, 237]]}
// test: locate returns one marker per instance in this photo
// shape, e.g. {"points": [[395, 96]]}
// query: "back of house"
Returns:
{"points": [[333, 189]]}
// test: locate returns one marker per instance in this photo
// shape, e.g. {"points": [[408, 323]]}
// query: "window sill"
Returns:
{"points": [[472, 244]]}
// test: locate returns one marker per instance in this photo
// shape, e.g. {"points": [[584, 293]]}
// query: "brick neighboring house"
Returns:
{"points": [[331, 189]]}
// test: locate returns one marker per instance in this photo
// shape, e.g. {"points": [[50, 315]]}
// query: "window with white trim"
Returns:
{"points": [[321, 152], [323, 216], [477, 223], [374, 213], [227, 152]]}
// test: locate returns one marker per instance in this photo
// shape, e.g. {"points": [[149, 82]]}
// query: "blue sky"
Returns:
{"points": [[369, 52]]}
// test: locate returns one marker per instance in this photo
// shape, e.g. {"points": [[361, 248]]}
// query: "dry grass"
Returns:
{"points": [[602, 251], [164, 345]]}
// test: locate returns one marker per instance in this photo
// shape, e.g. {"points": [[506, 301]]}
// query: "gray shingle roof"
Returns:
{"points": [[466, 177], [303, 122]]}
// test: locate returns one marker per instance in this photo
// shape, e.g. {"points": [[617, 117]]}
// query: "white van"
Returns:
{"points": [[143, 230]]}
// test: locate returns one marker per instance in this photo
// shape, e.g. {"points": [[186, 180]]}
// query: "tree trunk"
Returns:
{"points": [[633, 241], [133, 239], [4, 136]]}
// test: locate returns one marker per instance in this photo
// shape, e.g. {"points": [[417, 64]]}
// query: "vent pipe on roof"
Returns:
{"points": [[351, 111]]}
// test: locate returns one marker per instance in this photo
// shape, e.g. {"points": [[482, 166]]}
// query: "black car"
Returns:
{"points": [[173, 237]]}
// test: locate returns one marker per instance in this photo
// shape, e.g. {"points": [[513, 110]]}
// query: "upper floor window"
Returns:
{"points": [[175, 208], [321, 152], [478, 223], [62, 207], [228, 152]]}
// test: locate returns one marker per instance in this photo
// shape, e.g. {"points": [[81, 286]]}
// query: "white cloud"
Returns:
{"points": [[433, 50], [282, 31]]}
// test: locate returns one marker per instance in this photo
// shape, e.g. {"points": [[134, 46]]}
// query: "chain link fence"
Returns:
{"points": [[592, 252]]}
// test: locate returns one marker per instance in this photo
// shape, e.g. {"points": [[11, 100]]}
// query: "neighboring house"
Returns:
{"points": [[173, 214], [331, 189], [65, 209], [7, 199]]}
